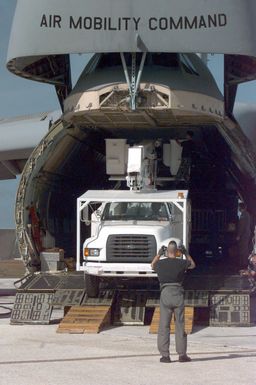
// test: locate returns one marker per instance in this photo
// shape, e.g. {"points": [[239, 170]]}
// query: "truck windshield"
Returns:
{"points": [[146, 211]]}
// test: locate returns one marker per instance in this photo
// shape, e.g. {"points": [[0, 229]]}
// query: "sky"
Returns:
{"points": [[25, 97]]}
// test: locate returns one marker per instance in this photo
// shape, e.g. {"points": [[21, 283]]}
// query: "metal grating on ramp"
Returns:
{"points": [[68, 297], [130, 307], [195, 298], [32, 308], [105, 298], [51, 281]]}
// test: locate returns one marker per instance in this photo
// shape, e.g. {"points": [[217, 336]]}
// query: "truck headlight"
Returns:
{"points": [[91, 252]]}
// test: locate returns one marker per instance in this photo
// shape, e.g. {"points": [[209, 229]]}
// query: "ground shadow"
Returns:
{"points": [[215, 358], [6, 314]]}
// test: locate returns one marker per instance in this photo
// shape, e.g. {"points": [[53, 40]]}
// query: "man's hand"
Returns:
{"points": [[243, 272]]}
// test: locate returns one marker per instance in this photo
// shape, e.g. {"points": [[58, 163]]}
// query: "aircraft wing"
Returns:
{"points": [[19, 136]]}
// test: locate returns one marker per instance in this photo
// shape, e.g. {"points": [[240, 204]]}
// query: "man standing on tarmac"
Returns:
{"points": [[171, 269]]}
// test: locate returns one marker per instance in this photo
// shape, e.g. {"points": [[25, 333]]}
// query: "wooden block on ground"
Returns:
{"points": [[189, 318], [85, 319]]}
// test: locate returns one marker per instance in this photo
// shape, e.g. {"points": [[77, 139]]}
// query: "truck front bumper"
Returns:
{"points": [[118, 269]]}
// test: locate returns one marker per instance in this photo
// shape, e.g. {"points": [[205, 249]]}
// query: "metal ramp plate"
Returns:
{"points": [[51, 281], [216, 283], [195, 298], [72, 280], [105, 298], [68, 297], [130, 307], [232, 309], [41, 282], [189, 319], [32, 308]]}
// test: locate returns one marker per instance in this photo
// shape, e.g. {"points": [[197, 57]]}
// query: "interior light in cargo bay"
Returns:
{"points": [[91, 252]]}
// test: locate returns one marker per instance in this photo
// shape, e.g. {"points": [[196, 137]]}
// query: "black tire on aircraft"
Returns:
{"points": [[92, 284]]}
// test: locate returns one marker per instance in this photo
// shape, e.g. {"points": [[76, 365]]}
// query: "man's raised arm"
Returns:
{"points": [[155, 260], [192, 262]]}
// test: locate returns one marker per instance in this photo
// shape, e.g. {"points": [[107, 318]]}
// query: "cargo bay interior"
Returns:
{"points": [[73, 161]]}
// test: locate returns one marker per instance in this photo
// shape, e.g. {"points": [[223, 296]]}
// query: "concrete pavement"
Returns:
{"points": [[36, 354]]}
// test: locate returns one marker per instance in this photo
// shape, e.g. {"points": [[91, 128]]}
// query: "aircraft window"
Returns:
{"points": [[145, 211], [187, 65]]}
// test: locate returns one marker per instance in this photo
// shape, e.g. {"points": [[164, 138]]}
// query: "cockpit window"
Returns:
{"points": [[165, 60], [110, 60], [160, 59], [143, 211]]}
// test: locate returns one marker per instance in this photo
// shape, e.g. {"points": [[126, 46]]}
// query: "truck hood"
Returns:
{"points": [[137, 227]]}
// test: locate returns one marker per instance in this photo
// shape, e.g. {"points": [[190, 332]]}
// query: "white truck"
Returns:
{"points": [[128, 227]]}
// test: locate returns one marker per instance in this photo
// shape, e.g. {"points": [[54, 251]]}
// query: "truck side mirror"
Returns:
{"points": [[98, 214]]}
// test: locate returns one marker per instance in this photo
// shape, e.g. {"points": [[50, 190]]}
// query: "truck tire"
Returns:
{"points": [[92, 284]]}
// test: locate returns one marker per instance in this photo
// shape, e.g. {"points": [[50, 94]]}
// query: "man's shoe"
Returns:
{"points": [[166, 360], [184, 358]]}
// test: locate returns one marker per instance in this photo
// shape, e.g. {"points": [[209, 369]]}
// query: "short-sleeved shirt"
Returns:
{"points": [[187, 148], [171, 270]]}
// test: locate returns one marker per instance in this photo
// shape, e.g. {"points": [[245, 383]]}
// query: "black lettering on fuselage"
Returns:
{"points": [[136, 23], [202, 23], [190, 24], [152, 23], [178, 24], [75, 25], [212, 21], [87, 23], [51, 21], [222, 19]]}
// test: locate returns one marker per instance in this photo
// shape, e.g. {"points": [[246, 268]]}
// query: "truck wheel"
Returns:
{"points": [[92, 284]]}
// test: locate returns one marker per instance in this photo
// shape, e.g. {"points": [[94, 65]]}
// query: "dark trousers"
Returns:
{"points": [[184, 170], [172, 302]]}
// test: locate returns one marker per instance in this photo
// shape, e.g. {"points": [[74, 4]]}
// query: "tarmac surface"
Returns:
{"points": [[126, 355]]}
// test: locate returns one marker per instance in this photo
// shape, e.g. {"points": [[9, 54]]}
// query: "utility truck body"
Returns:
{"points": [[126, 232]]}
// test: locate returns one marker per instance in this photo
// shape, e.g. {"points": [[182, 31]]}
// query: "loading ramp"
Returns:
{"points": [[90, 317], [227, 299]]}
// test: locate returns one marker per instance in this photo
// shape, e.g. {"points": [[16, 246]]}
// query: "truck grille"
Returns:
{"points": [[131, 248]]}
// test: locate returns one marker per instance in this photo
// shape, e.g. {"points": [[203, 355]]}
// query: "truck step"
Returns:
{"points": [[189, 319], [85, 319]]}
